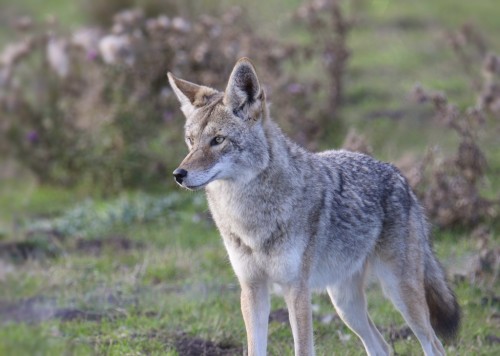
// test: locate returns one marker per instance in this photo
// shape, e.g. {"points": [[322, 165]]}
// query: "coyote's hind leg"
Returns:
{"points": [[349, 301], [408, 296]]}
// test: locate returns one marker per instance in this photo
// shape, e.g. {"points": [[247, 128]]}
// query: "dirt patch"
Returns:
{"points": [[396, 334], [19, 251], [401, 333], [40, 309], [114, 243], [279, 316], [492, 339], [41, 246], [187, 345], [492, 300], [68, 314], [193, 346]]}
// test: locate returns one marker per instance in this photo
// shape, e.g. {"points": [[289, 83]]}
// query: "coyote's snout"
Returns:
{"points": [[309, 221]]}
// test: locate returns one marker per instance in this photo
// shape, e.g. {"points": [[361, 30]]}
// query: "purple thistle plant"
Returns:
{"points": [[92, 55], [294, 88], [32, 136]]}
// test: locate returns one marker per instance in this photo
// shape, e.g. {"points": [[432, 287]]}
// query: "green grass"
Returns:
{"points": [[396, 45], [180, 281]]}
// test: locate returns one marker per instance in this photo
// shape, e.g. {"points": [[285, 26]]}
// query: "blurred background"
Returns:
{"points": [[100, 253]]}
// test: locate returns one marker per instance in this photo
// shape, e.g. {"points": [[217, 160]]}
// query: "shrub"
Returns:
{"points": [[95, 105], [451, 186]]}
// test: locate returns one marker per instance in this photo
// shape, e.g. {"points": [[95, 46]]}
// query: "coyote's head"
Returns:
{"points": [[224, 131]]}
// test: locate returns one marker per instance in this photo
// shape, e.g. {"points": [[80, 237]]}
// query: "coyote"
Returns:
{"points": [[308, 221]]}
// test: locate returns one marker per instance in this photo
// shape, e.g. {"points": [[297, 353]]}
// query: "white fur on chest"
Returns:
{"points": [[281, 268], [244, 227]]}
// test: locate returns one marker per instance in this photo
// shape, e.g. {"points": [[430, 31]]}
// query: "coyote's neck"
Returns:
{"points": [[258, 208], [255, 208]]}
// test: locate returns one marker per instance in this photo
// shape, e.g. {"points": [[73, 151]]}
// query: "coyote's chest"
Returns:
{"points": [[250, 222], [260, 237]]}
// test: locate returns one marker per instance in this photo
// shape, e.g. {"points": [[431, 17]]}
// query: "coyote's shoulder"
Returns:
{"points": [[308, 220]]}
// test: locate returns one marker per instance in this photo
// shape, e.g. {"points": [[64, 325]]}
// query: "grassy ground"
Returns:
{"points": [[147, 274], [141, 286]]}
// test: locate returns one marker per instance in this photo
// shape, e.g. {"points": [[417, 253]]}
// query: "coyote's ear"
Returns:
{"points": [[190, 95], [243, 93]]}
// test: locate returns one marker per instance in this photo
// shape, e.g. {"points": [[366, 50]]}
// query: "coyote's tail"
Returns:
{"points": [[443, 306]]}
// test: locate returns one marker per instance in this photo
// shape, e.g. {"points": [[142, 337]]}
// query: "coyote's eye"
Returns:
{"points": [[190, 140], [217, 140]]}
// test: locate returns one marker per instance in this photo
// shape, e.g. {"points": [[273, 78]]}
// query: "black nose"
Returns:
{"points": [[180, 174]]}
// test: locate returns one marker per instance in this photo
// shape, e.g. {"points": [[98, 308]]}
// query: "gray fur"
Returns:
{"points": [[310, 221]]}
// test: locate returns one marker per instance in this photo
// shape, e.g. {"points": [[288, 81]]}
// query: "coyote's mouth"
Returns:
{"points": [[196, 187]]}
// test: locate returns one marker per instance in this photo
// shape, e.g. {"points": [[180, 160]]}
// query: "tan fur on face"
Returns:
{"points": [[203, 96]]}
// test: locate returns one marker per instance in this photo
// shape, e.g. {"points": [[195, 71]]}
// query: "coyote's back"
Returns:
{"points": [[308, 221]]}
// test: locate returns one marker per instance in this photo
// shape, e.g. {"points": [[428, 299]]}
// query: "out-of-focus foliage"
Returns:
{"points": [[450, 187], [95, 105], [90, 218]]}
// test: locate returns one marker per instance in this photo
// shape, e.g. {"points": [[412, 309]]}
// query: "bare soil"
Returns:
{"points": [[194, 346]]}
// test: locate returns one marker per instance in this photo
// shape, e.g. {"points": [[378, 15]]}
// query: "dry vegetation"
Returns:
{"points": [[69, 100], [94, 105], [450, 187]]}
